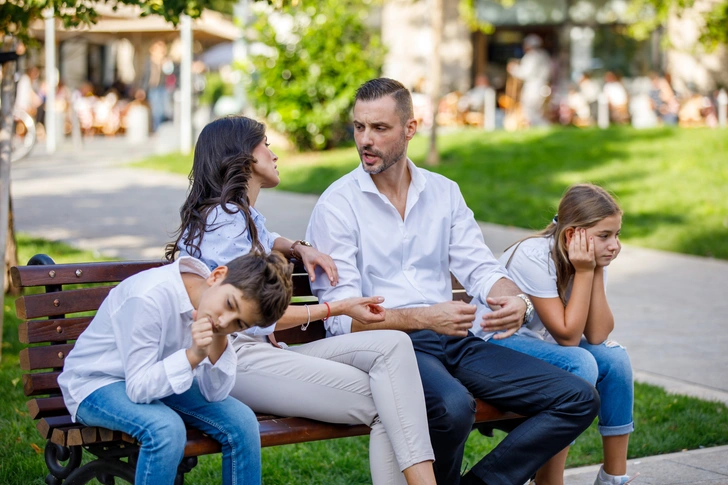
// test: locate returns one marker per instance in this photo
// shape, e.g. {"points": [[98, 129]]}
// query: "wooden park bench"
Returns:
{"points": [[53, 320]]}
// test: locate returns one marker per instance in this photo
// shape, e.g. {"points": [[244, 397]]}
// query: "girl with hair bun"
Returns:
{"points": [[362, 378], [563, 269]]}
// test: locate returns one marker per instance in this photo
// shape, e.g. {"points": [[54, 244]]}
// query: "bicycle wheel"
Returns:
{"points": [[24, 136]]}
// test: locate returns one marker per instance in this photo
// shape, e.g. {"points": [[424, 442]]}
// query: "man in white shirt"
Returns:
{"points": [[398, 231]]}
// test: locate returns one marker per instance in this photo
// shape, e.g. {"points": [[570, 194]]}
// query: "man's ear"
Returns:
{"points": [[218, 275], [410, 128]]}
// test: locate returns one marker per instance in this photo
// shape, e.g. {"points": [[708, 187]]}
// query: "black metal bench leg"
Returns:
{"points": [[104, 470], [54, 455], [185, 467]]}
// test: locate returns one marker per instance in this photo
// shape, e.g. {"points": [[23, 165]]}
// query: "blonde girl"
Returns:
{"points": [[563, 269]]}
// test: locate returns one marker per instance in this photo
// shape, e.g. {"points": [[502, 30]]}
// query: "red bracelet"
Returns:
{"points": [[328, 310]]}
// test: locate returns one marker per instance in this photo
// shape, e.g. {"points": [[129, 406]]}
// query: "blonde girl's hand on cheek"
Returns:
{"points": [[581, 250]]}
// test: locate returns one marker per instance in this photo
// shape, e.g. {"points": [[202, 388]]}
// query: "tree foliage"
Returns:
{"points": [[317, 54], [714, 30], [647, 15], [16, 15]]}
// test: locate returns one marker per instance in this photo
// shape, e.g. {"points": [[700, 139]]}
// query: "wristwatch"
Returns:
{"points": [[529, 308], [302, 242]]}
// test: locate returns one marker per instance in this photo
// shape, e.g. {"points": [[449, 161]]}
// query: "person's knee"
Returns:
{"points": [[166, 436], [616, 363], [391, 342], [242, 423], [452, 413], [583, 364], [585, 399]]}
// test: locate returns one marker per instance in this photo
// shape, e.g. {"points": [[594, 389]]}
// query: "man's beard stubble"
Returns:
{"points": [[388, 159]]}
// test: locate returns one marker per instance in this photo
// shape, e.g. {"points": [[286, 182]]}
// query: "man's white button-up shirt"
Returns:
{"points": [[407, 261]]}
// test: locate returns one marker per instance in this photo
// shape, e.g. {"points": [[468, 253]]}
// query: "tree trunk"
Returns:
{"points": [[7, 89], [433, 156], [11, 254]]}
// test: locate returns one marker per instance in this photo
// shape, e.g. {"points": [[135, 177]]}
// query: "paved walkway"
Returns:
{"points": [[670, 308]]}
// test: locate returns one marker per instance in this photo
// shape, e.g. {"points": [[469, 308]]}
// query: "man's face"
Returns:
{"points": [[380, 136]]}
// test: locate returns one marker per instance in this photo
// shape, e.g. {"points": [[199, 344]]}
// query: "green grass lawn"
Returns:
{"points": [[672, 183], [664, 424]]}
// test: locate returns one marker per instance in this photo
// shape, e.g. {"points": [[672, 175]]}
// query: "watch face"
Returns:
{"points": [[303, 242]]}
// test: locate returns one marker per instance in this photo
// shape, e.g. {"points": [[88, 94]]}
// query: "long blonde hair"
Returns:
{"points": [[582, 206]]}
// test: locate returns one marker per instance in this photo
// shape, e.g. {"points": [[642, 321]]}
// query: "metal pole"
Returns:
{"points": [[603, 111], [186, 86], [51, 83], [240, 49], [489, 108], [722, 108]]}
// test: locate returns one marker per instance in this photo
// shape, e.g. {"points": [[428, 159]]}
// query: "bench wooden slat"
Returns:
{"points": [[59, 330], [59, 303], [41, 383], [90, 435], [46, 407], [488, 412], [46, 426], [45, 357], [64, 274], [295, 335], [283, 431]]}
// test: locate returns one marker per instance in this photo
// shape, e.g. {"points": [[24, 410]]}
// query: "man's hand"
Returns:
{"points": [[312, 257], [450, 318], [201, 340], [507, 316]]}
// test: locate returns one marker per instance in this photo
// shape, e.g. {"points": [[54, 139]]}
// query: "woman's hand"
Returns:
{"points": [[581, 251], [363, 309], [312, 257]]}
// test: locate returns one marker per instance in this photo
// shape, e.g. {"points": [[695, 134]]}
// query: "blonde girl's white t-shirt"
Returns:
{"points": [[532, 268]]}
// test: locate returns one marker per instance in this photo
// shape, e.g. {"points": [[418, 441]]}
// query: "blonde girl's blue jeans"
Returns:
{"points": [[606, 366]]}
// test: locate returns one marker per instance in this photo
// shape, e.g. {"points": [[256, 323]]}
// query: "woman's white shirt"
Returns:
{"points": [[226, 237]]}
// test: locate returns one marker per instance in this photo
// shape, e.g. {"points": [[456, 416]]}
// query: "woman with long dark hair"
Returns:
{"points": [[367, 377]]}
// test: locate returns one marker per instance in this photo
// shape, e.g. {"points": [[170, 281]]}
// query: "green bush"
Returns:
{"points": [[215, 88], [318, 54]]}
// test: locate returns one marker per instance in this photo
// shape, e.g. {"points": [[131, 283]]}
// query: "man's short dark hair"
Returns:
{"points": [[381, 87]]}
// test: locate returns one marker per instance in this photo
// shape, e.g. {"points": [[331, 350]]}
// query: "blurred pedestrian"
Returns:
{"points": [[534, 70]]}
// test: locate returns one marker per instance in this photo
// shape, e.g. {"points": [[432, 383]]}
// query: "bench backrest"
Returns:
{"points": [[53, 320]]}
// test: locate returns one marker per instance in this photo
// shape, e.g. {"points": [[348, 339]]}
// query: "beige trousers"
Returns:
{"points": [[360, 378]]}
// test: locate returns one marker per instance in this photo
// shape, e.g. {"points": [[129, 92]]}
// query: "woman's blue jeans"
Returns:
{"points": [[606, 366], [160, 428]]}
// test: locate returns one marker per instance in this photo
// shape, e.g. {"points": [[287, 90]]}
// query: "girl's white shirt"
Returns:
{"points": [[532, 268]]}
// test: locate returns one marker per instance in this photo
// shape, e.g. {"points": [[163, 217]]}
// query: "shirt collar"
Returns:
{"points": [[367, 184], [186, 264]]}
